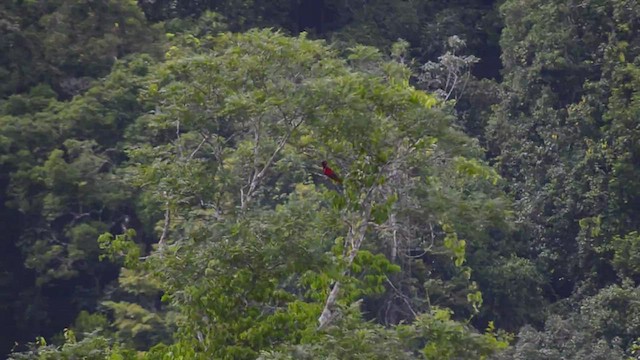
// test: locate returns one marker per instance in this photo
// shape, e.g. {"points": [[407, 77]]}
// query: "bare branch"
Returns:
{"points": [[178, 139], [464, 84], [205, 138], [446, 85], [256, 147], [165, 228], [257, 177], [453, 86]]}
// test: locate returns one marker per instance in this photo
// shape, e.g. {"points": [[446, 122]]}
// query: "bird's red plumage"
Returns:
{"points": [[330, 173]]}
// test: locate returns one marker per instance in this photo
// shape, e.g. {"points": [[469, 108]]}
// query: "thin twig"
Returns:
{"points": [[403, 296]]}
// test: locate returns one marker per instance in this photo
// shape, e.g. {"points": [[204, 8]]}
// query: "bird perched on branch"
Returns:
{"points": [[328, 172]]}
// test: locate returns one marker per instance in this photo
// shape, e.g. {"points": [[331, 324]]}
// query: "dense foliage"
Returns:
{"points": [[162, 194]]}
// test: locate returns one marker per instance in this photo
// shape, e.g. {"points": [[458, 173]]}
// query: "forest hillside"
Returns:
{"points": [[326, 179]]}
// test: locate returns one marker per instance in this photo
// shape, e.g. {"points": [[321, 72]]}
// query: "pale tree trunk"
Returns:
{"points": [[355, 239], [393, 182]]}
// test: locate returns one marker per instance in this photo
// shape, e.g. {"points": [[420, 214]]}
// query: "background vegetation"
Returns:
{"points": [[161, 193]]}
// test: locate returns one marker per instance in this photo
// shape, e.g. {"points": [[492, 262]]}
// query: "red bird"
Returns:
{"points": [[330, 173]]}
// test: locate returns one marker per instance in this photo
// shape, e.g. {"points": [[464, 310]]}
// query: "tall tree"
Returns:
{"points": [[255, 247]]}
